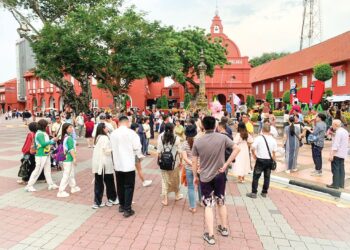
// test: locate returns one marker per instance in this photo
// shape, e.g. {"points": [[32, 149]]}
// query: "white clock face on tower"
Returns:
{"points": [[216, 29]]}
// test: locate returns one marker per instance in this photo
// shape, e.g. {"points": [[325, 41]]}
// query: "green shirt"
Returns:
{"points": [[42, 144], [68, 145]]}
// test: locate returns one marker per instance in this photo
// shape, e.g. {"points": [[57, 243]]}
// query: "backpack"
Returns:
{"points": [[60, 153], [166, 161]]}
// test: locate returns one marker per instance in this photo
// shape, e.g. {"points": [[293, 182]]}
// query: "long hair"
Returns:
{"points": [[100, 131], [338, 115], [291, 126], [64, 129], [190, 141], [242, 130], [169, 133]]}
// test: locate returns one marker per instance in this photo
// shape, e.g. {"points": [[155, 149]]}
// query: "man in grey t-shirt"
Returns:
{"points": [[210, 149], [317, 146]]}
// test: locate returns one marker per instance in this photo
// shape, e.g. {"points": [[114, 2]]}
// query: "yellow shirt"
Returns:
{"points": [[250, 127]]}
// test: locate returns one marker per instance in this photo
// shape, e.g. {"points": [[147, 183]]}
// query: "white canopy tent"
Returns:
{"points": [[338, 98]]}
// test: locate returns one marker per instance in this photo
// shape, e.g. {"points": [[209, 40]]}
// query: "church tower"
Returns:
{"points": [[216, 25]]}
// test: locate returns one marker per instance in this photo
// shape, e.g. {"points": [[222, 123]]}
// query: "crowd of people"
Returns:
{"points": [[193, 149]]}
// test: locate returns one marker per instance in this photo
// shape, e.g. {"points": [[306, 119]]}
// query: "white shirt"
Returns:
{"points": [[108, 125], [260, 146], [125, 145]]}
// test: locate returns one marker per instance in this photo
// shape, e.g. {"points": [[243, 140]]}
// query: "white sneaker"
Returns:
{"points": [[288, 171], [62, 194], [52, 187], [30, 189], [116, 202], [147, 183], [109, 203], [75, 189]]}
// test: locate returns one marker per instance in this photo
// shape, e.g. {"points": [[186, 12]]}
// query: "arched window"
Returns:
{"points": [[170, 92]]}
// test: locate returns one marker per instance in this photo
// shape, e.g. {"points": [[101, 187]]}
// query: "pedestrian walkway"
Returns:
{"points": [[287, 219]]}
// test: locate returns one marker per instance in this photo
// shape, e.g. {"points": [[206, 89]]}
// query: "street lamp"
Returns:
{"points": [[312, 88]]}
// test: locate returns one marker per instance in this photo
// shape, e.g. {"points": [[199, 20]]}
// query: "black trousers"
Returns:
{"points": [[31, 169], [317, 156], [108, 180], [338, 172], [261, 166], [152, 130], [125, 188]]}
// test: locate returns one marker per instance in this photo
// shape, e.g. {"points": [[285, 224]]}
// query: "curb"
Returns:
{"points": [[332, 192]]}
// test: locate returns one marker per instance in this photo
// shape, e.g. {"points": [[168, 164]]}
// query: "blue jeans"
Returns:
{"points": [[190, 186], [317, 157]]}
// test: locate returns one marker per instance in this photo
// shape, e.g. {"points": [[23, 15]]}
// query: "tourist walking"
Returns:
{"points": [[291, 141], [56, 128], [264, 148], [168, 142], [147, 130], [316, 138], [243, 140], [102, 168], [79, 123], [42, 144], [179, 130], [70, 162], [138, 158], [338, 154], [89, 128], [210, 149], [190, 132], [248, 124], [125, 145]]}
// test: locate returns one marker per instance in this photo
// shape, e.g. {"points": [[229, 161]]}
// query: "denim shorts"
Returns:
{"points": [[214, 190]]}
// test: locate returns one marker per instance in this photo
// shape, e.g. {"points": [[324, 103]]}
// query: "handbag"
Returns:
{"points": [[273, 164], [24, 169]]}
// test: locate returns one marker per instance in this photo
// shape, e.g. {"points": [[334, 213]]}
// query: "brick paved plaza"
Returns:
{"points": [[287, 219]]}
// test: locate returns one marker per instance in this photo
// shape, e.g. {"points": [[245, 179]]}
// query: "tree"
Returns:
{"points": [[33, 14], [323, 72], [164, 102], [187, 100], [159, 103], [248, 101], [328, 92], [189, 43], [269, 98], [286, 97], [266, 57]]}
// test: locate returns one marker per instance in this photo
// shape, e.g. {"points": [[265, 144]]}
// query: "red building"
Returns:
{"points": [[231, 79], [8, 96], [296, 69]]}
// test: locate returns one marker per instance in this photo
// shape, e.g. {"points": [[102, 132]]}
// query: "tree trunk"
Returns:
{"points": [[195, 85]]}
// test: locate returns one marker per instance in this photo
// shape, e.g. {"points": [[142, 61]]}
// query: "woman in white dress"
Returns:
{"points": [[243, 140]]}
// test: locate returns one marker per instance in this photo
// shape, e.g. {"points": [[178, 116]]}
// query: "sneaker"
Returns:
{"points": [[95, 206], [251, 195], [317, 173], [75, 189], [288, 171], [30, 189], [62, 194], [52, 187], [116, 202], [223, 231], [147, 183], [294, 170], [109, 203], [209, 239], [264, 195], [121, 209]]}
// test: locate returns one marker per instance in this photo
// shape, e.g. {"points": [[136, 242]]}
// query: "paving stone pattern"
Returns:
{"points": [[284, 220]]}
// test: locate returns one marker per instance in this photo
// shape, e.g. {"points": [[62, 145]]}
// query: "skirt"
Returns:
{"points": [[88, 134], [170, 181]]}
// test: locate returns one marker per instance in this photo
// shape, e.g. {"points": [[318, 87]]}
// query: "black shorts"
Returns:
{"points": [[214, 190]]}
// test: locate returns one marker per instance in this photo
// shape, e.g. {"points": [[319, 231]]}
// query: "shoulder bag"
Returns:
{"points": [[273, 162]]}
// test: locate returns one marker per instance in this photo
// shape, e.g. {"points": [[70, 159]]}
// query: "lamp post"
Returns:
{"points": [[202, 101], [312, 88]]}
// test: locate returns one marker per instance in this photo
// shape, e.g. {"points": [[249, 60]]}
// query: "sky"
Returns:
{"points": [[256, 26]]}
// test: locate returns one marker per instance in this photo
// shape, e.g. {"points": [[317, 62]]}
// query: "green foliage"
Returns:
{"points": [[286, 97], [159, 103], [278, 112], [328, 92], [254, 117], [248, 100], [252, 101], [323, 72], [269, 98], [189, 43], [266, 57], [164, 102], [187, 100]]}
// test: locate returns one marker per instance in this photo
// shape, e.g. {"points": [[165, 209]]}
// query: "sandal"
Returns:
{"points": [[192, 210], [179, 197]]}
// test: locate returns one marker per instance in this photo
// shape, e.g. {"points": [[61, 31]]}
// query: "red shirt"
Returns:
{"points": [[28, 143], [89, 126]]}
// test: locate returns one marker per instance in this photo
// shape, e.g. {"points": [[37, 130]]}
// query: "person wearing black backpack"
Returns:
{"points": [[169, 152]]}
